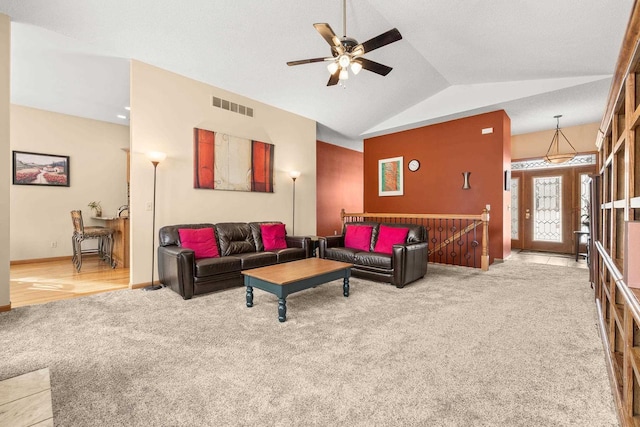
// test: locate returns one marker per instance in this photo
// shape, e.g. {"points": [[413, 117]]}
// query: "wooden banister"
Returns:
{"points": [[446, 231]]}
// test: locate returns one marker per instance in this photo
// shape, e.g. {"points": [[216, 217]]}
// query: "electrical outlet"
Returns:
{"points": [[54, 244], [149, 206]]}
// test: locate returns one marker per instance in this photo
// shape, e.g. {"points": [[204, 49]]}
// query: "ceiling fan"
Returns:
{"points": [[347, 53]]}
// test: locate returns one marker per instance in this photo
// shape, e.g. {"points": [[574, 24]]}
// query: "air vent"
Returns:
{"points": [[232, 106]]}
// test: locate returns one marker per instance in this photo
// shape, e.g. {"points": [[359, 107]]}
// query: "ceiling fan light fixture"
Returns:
{"points": [[344, 61], [347, 53]]}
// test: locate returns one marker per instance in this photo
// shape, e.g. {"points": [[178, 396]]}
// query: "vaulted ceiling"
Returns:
{"points": [[534, 59]]}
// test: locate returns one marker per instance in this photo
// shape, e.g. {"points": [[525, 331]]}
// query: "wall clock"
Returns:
{"points": [[414, 165]]}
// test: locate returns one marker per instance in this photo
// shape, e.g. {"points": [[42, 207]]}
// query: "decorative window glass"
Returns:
{"points": [[585, 204], [515, 189], [547, 209], [579, 160]]}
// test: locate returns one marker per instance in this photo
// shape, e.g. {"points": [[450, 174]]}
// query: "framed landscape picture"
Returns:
{"points": [[390, 178], [40, 169]]}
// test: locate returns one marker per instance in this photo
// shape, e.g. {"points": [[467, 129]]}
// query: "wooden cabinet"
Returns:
{"points": [[120, 227], [615, 269], [120, 241]]}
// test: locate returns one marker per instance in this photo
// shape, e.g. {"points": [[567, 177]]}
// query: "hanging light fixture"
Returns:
{"points": [[355, 67], [553, 153]]}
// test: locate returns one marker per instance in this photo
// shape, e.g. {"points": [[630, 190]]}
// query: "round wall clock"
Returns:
{"points": [[414, 165]]}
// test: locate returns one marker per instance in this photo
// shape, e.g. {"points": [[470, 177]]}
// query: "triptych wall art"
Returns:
{"points": [[226, 162]]}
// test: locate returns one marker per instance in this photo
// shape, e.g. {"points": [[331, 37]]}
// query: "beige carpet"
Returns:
{"points": [[515, 346]]}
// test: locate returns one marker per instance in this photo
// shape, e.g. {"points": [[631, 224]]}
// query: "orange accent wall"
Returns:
{"points": [[446, 150], [339, 185]]}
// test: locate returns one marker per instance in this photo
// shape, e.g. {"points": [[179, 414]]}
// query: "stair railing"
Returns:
{"points": [[453, 239]]}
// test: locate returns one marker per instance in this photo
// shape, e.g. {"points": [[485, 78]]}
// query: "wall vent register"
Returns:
{"points": [[232, 106]]}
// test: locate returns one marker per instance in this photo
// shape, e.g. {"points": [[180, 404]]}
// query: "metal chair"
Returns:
{"points": [[81, 233]]}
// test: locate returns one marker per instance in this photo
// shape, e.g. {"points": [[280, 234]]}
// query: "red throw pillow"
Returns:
{"points": [[358, 237], [273, 236], [201, 240], [389, 236]]}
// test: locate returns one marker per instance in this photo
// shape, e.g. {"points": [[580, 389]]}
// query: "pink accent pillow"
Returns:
{"points": [[201, 240], [389, 236], [358, 237], [273, 236]]}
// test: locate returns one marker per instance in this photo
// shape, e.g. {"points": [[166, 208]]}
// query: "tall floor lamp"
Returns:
{"points": [[155, 157], [294, 175]]}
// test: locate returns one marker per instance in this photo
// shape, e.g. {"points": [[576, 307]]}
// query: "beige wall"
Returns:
{"points": [[165, 107], [41, 215], [536, 144], [5, 51]]}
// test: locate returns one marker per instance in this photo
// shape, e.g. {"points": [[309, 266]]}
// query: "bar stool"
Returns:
{"points": [[81, 233]]}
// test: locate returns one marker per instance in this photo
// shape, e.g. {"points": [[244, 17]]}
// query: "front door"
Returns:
{"points": [[546, 208]]}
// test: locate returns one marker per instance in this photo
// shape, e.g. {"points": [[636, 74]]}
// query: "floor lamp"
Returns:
{"points": [[155, 157], [294, 175]]}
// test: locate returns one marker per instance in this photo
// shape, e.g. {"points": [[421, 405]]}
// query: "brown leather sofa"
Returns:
{"points": [[240, 246], [406, 263]]}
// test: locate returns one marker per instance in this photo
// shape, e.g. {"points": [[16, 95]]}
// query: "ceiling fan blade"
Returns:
{"points": [[327, 33], [333, 80], [305, 61], [376, 67], [383, 39]]}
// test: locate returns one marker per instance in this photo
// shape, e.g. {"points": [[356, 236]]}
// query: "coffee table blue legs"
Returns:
{"points": [[281, 291], [249, 296], [282, 309]]}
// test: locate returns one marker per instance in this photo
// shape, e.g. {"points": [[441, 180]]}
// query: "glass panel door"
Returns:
{"points": [[547, 212]]}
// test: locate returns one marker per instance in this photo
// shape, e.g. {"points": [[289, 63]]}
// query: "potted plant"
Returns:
{"points": [[97, 209], [584, 218]]}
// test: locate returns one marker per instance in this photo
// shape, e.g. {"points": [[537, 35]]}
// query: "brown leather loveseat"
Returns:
{"points": [[240, 247], [399, 263]]}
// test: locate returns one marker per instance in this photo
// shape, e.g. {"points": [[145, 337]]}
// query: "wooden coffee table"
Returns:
{"points": [[289, 277]]}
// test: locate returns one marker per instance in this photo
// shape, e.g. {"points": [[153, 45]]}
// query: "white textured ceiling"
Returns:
{"points": [[535, 59]]}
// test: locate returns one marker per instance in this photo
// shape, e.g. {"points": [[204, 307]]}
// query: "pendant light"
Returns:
{"points": [[553, 153]]}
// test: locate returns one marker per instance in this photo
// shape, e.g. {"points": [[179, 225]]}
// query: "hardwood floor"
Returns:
{"points": [[26, 400], [40, 282]]}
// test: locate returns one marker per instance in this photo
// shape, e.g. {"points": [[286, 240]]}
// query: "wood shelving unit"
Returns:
{"points": [[615, 210]]}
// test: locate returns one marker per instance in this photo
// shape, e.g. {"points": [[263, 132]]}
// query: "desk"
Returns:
{"points": [[120, 228], [578, 236]]}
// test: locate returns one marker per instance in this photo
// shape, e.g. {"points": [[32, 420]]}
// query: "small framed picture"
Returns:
{"points": [[390, 178], [50, 170]]}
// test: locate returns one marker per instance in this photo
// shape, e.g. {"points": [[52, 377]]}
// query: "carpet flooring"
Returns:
{"points": [[515, 346]]}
